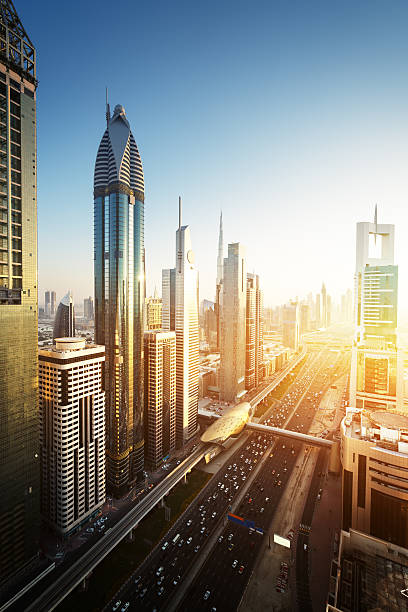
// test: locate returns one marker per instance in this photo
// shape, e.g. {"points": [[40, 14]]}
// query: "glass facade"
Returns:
{"points": [[19, 434], [119, 300]]}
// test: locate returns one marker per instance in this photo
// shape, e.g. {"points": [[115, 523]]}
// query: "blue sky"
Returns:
{"points": [[291, 117]]}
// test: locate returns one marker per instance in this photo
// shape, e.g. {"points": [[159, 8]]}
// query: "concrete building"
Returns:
{"points": [[19, 436], [374, 453], [72, 433], [304, 322], [64, 323], [376, 379], [120, 295], [88, 308], [160, 396], [323, 320], [291, 325], [318, 312], [53, 303], [368, 574], [254, 333], [47, 303], [233, 325], [153, 313], [180, 290]]}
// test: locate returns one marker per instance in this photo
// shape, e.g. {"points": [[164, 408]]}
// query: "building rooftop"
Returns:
{"points": [[384, 430], [232, 422], [373, 574]]}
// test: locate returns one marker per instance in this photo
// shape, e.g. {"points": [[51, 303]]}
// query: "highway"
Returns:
{"points": [[158, 580], [223, 578], [49, 598]]}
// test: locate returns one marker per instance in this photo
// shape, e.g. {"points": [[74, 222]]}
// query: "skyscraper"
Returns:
{"points": [[47, 303], [318, 314], [19, 434], [53, 303], [119, 295], [160, 395], [233, 324], [376, 368], [291, 325], [181, 285], [153, 313], [254, 332], [64, 324], [88, 308], [218, 288], [72, 420]]}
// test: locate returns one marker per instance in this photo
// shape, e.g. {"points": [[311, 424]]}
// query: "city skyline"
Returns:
{"points": [[317, 167]]}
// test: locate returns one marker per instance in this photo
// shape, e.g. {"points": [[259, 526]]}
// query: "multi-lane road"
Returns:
{"points": [[228, 565]]}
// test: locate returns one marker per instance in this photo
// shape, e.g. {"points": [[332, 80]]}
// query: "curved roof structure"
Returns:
{"points": [[231, 423], [118, 160]]}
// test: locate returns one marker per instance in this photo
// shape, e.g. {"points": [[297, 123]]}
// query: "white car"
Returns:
{"points": [[235, 563], [206, 595]]}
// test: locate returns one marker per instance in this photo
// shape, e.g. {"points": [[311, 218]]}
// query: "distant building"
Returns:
{"points": [[376, 365], [160, 396], [318, 320], [218, 286], [209, 323], [304, 323], [88, 309], [368, 574], [324, 306], [153, 313], [47, 302], [290, 325], [180, 289], [64, 323], [254, 333], [53, 303], [233, 325], [72, 433]]}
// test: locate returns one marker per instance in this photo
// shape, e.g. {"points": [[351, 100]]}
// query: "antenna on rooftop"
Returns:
{"points": [[179, 212], [107, 109]]}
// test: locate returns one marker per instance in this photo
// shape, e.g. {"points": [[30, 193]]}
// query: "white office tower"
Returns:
{"points": [[180, 291], [72, 432], [160, 396], [233, 325], [376, 365], [291, 325]]}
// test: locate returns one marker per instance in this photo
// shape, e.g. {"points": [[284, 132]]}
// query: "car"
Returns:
{"points": [[160, 591], [220, 539], [143, 593], [165, 545], [261, 510], [180, 544], [159, 571], [231, 546], [176, 580], [206, 595], [138, 579], [214, 514], [241, 569], [202, 530], [197, 548], [190, 539], [189, 522], [116, 605], [160, 580], [125, 606], [234, 563], [230, 536]]}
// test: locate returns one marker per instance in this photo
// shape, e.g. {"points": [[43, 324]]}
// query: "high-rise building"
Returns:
{"points": [[374, 446], [169, 299], [329, 311], [218, 287], [53, 303], [47, 303], [291, 325], [254, 333], [88, 308], [233, 325], [160, 396], [304, 322], [324, 306], [153, 313], [119, 296], [181, 285], [64, 323], [19, 433], [376, 365], [72, 425]]}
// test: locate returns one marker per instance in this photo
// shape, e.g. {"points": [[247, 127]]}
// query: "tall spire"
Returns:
{"points": [[220, 258], [179, 212]]}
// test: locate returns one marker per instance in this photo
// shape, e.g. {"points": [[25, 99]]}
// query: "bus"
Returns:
{"points": [[176, 538]]}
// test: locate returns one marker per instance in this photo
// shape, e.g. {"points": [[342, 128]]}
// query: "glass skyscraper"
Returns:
{"points": [[19, 433], [119, 296], [64, 323]]}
